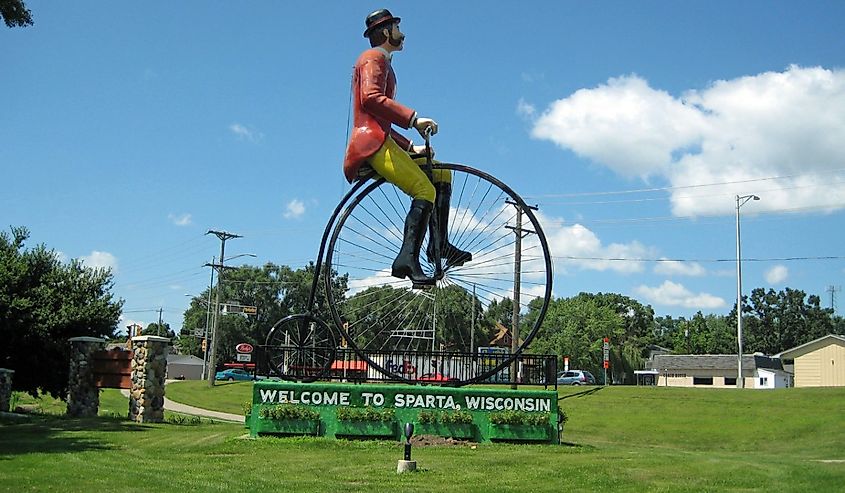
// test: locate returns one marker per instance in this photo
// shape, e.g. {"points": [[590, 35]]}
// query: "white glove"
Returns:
{"points": [[421, 124], [421, 150]]}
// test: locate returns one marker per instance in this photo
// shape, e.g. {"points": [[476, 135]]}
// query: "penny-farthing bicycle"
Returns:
{"points": [[379, 313]]}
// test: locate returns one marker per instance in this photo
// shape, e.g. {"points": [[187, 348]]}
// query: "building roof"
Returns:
{"points": [[183, 359], [714, 362], [812, 346]]}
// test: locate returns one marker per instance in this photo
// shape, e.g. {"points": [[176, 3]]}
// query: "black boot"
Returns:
{"points": [[407, 263], [453, 255]]}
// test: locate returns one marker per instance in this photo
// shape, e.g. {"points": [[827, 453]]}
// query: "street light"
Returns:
{"points": [[212, 341], [740, 201], [241, 255]]}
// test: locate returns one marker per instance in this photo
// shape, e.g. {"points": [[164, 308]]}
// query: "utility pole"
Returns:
{"points": [[833, 290], [212, 360], [517, 275], [158, 329], [472, 327]]}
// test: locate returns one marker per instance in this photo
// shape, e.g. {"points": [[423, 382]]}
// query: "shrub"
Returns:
{"points": [[518, 418], [562, 417], [181, 419], [364, 414], [445, 417], [289, 412], [246, 408]]}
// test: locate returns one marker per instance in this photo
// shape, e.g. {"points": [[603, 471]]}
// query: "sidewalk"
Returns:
{"points": [[196, 411]]}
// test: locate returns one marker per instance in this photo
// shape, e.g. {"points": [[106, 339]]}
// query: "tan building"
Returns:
{"points": [[819, 363], [719, 371]]}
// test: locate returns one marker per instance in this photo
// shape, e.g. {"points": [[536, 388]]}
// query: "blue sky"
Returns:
{"points": [[129, 130]]}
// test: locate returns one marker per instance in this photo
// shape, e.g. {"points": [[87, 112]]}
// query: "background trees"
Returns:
{"points": [[43, 303], [275, 290], [776, 321], [15, 13]]}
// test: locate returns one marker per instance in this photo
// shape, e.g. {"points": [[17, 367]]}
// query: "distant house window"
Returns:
{"points": [[730, 380], [702, 380], [764, 381]]}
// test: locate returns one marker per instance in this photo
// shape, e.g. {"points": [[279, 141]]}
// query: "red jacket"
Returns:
{"points": [[374, 110]]}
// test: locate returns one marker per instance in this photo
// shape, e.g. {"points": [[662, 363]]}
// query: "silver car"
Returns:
{"points": [[575, 377]]}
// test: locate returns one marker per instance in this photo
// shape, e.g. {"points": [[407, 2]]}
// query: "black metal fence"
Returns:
{"points": [[437, 367]]}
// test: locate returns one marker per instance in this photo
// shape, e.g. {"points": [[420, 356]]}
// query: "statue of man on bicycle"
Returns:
{"points": [[375, 144]]}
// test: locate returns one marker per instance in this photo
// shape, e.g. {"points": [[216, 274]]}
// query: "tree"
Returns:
{"points": [[575, 327], [777, 321], [704, 334], [15, 13], [163, 330], [43, 303], [276, 292]]}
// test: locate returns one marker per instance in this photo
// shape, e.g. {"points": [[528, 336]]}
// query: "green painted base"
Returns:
{"points": [[520, 433], [462, 431], [366, 429], [287, 427]]}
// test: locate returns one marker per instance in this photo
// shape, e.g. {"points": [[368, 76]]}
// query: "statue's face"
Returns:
{"points": [[395, 37]]}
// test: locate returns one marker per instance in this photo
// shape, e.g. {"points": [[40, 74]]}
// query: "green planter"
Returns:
{"points": [[366, 428], [454, 430], [538, 433], [288, 426]]}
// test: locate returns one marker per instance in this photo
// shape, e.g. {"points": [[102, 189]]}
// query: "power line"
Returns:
{"points": [[682, 187], [773, 259]]}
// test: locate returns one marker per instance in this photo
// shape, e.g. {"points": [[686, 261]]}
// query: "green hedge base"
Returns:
{"points": [[288, 427], [450, 430], [519, 433]]}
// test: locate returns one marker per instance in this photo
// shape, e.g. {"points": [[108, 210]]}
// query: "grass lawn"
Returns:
{"points": [[617, 439], [227, 397]]}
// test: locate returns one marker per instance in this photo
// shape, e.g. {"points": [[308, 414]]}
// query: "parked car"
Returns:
{"points": [[435, 377], [233, 374], [575, 377]]}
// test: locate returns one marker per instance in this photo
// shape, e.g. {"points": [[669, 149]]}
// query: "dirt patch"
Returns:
{"points": [[438, 441]]}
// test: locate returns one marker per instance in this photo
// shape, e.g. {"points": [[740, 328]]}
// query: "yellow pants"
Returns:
{"points": [[397, 167]]}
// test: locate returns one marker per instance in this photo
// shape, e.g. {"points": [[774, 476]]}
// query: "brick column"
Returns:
{"points": [[149, 366], [5, 389], [83, 396]]}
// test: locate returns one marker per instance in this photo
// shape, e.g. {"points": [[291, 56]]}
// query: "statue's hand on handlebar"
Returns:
{"points": [[423, 124], [421, 150]]}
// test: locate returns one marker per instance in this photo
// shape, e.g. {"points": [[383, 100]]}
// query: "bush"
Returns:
{"points": [[246, 408], [289, 412], [445, 417], [364, 414], [519, 418]]}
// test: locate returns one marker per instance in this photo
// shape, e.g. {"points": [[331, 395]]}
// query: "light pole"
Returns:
{"points": [[740, 201]]}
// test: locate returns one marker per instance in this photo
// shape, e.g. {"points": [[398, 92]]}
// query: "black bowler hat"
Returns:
{"points": [[378, 19]]}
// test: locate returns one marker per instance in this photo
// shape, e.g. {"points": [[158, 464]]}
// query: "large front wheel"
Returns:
{"points": [[381, 315]]}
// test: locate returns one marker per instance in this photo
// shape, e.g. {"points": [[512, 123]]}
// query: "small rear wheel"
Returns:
{"points": [[301, 348]]}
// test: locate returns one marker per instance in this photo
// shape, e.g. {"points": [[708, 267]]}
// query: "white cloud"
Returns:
{"points": [[676, 268], [180, 219], [733, 133], [673, 294], [777, 274], [525, 109], [244, 132], [100, 260], [294, 209], [587, 251]]}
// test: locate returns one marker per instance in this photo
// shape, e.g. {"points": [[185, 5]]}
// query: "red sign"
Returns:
{"points": [[606, 365], [244, 347]]}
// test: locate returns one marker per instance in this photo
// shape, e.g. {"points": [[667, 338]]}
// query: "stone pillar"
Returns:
{"points": [[83, 396], [5, 389], [149, 366]]}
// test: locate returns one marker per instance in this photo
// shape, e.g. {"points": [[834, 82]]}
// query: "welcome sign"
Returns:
{"points": [[538, 408]]}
